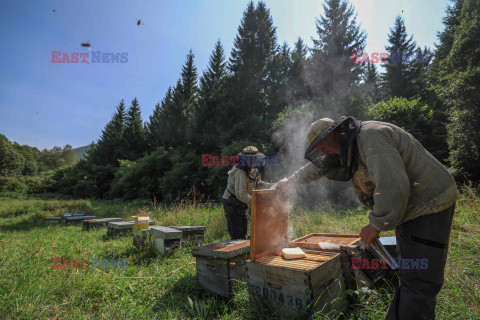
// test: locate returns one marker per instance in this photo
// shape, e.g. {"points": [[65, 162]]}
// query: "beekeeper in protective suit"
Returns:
{"points": [[406, 188], [242, 179]]}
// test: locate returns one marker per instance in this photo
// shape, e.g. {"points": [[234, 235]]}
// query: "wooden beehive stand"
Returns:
{"points": [[291, 287]]}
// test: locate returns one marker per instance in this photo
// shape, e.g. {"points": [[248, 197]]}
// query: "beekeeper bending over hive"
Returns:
{"points": [[406, 188], [242, 179]]}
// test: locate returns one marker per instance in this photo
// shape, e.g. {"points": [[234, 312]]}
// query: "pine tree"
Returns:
{"points": [[279, 79], [331, 70], [296, 83], [134, 133], [446, 37], [153, 130], [251, 84], [371, 82], [207, 124], [178, 107], [404, 77], [110, 146], [158, 127], [189, 92], [459, 87]]}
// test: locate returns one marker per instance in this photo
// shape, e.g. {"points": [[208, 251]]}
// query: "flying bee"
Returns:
{"points": [[139, 22], [86, 45]]}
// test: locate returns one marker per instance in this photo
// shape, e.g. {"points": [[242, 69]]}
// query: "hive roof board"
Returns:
{"points": [[103, 220], [189, 228], [75, 218], [165, 232], [121, 224], [224, 249]]}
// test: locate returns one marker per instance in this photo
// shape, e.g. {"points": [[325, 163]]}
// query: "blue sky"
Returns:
{"points": [[46, 104]]}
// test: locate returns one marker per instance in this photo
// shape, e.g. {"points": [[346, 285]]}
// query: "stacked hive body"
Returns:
{"points": [[93, 224], [220, 264], [191, 235], [291, 287]]}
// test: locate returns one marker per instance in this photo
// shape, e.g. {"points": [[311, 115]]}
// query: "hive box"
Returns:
{"points": [[76, 219], [354, 277], [220, 264], [140, 237], [351, 277], [92, 224], [192, 235], [122, 228], [141, 222], [164, 239], [290, 287]]}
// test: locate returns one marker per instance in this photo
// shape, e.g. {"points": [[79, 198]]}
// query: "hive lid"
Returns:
{"points": [[109, 219], [189, 228], [223, 249], [121, 224], [269, 223], [165, 232]]}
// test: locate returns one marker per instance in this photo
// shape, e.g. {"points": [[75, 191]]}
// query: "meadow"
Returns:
{"points": [[166, 287]]}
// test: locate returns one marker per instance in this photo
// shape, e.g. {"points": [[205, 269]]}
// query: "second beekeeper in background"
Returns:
{"points": [[242, 179]]}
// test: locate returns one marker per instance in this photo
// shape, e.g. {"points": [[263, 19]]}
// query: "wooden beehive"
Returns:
{"points": [[353, 277], [93, 224], [191, 235], [76, 219], [291, 287], [122, 228], [141, 222], [310, 241], [220, 264], [164, 239]]}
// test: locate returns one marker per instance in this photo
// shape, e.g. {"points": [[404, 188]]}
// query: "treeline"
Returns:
{"points": [[23, 168], [264, 85]]}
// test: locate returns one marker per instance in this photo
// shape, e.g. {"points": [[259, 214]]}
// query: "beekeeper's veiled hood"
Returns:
{"points": [[334, 166]]}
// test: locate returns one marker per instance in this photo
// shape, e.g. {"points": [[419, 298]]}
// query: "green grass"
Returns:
{"points": [[166, 287]]}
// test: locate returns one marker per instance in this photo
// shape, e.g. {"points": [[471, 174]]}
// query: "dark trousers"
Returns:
{"points": [[425, 237], [237, 223]]}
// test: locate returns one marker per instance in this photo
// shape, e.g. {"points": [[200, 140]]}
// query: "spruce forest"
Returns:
{"points": [[257, 92]]}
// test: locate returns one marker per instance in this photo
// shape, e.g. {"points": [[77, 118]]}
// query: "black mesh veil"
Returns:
{"points": [[335, 166]]}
